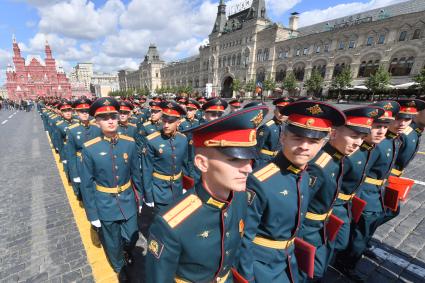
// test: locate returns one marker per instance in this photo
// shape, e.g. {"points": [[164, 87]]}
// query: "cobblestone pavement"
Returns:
{"points": [[39, 239]]}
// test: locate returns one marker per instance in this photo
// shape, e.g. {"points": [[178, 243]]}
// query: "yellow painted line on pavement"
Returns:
{"points": [[101, 269]]}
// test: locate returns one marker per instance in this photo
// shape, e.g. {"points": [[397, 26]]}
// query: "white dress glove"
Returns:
{"points": [[150, 204], [76, 180], [96, 223]]}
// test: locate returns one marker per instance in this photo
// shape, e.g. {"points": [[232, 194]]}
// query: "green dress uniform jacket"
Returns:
{"points": [[145, 130], [77, 135], [325, 171], [355, 167], [278, 200], [110, 170], [196, 239], [164, 160], [268, 141], [129, 129]]}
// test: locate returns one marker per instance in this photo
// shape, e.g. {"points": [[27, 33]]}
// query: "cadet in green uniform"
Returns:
{"points": [[190, 121], [197, 238], [279, 195], [200, 113], [79, 133], [124, 126], [213, 109], [110, 184], [359, 119], [164, 159], [268, 134], [384, 149], [61, 128], [235, 105], [154, 124]]}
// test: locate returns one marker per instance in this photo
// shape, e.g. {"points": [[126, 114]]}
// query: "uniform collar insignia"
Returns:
{"points": [[291, 168], [215, 203], [391, 135]]}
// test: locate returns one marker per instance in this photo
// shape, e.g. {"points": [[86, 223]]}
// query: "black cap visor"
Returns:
{"points": [[405, 116], [250, 152], [308, 133], [361, 130]]}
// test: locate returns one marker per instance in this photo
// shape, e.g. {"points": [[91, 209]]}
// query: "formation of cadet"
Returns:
{"points": [[316, 195]]}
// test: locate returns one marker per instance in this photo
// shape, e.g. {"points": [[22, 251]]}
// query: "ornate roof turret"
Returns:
{"points": [[221, 18]]}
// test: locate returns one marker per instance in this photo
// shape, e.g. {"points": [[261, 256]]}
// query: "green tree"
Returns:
{"points": [[236, 85], [378, 82], [314, 83], [250, 86], [290, 83], [269, 84], [420, 80], [342, 80]]}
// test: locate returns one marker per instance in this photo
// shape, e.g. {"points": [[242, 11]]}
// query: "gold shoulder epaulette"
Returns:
{"points": [[92, 141], [127, 138], [153, 135], [323, 159], [182, 210], [408, 130], [147, 123], [58, 123], [266, 172], [73, 126], [269, 123]]}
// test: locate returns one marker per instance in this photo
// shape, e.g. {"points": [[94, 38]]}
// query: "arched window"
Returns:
{"points": [[234, 60], [259, 55], [416, 34], [402, 66], [368, 68], [338, 69], [299, 71], [280, 74], [229, 60], [266, 54], [321, 68], [281, 54], [238, 59], [260, 76]]}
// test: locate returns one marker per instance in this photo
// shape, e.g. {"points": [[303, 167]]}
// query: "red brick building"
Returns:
{"points": [[34, 78]]}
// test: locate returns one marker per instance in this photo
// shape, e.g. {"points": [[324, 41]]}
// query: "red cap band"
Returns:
{"points": [[408, 110], [215, 108], [105, 109], [171, 112], [313, 123], [125, 108], [236, 104], [83, 106], [190, 105], [364, 122], [283, 103], [240, 138], [65, 106]]}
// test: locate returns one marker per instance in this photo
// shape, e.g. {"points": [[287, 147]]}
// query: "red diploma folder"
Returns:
{"points": [[237, 278], [391, 198], [357, 207], [304, 253], [188, 182], [403, 185], [332, 227]]}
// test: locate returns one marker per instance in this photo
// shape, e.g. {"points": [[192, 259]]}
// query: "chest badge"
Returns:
{"points": [[125, 156], [103, 153], [284, 192], [204, 234], [160, 151]]}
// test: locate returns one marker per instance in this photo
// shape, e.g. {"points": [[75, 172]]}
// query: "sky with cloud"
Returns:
{"points": [[115, 34]]}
